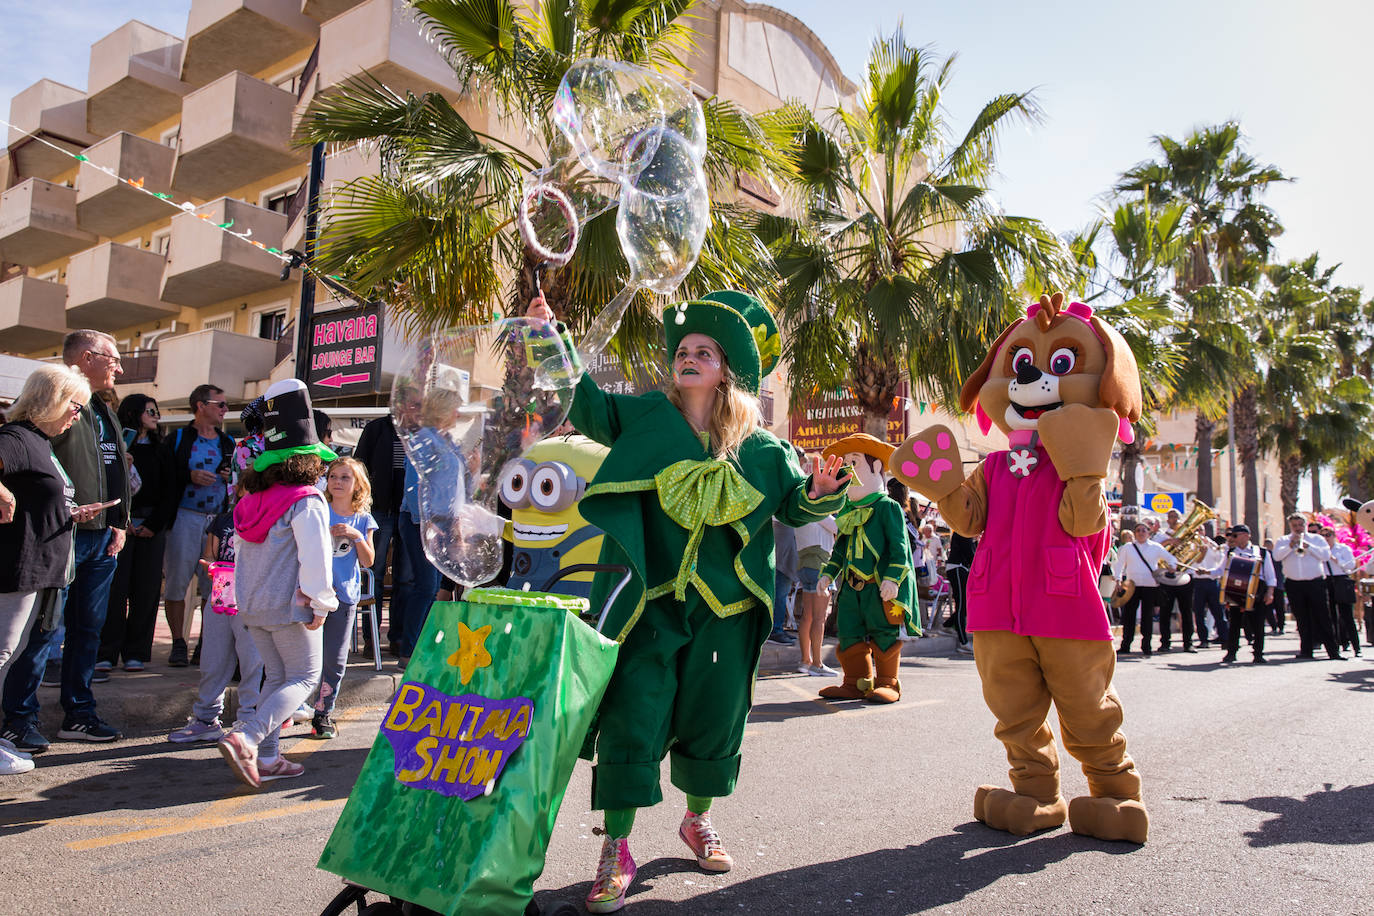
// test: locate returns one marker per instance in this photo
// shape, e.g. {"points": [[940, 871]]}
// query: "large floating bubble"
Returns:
{"points": [[466, 408]]}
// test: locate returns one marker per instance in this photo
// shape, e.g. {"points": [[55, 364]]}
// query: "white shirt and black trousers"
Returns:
{"points": [[1137, 562], [1340, 591], [1251, 621], [1305, 584], [1207, 597]]}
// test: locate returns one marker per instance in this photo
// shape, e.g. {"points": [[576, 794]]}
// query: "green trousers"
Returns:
{"points": [[859, 617], [683, 684]]}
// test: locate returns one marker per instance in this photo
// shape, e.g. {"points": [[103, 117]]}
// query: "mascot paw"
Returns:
{"points": [[1016, 814], [929, 463], [1079, 439], [1109, 819]]}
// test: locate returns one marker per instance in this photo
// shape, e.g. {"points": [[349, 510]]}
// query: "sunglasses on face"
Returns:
{"points": [[152, 411], [220, 404]]}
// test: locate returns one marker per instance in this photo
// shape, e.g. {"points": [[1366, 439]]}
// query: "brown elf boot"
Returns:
{"points": [[887, 689], [856, 666]]}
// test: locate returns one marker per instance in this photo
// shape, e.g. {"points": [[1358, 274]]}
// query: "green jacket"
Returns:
{"points": [[79, 451], [872, 545], [647, 435]]}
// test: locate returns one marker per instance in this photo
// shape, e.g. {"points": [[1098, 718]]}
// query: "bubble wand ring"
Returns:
{"points": [[526, 227]]}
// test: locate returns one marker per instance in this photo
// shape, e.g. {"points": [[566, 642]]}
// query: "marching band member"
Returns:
{"points": [[1340, 590], [1138, 561], [1304, 557], [1242, 618], [1207, 593]]}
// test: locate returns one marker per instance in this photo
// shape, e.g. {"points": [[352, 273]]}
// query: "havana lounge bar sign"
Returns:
{"points": [[345, 352]]}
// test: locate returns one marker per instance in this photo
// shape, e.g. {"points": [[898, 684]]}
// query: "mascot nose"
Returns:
{"points": [[1027, 374]]}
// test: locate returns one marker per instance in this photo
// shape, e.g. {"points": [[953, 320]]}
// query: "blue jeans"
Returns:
{"points": [[424, 583], [1207, 597], [781, 586], [84, 604], [388, 529]]}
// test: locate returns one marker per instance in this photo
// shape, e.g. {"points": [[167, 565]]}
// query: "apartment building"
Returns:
{"points": [[206, 118]]}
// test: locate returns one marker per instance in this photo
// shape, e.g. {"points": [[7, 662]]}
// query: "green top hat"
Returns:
{"points": [[739, 322], [289, 425]]}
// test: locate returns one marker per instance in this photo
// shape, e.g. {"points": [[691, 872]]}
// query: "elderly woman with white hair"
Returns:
{"points": [[36, 514]]}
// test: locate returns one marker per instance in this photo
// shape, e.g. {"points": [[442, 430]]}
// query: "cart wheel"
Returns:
{"points": [[344, 899], [381, 908]]}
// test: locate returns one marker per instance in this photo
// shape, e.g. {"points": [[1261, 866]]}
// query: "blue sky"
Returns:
{"points": [[1108, 75]]}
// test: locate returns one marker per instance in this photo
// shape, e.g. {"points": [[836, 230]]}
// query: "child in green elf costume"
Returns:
{"points": [[871, 563], [686, 496]]}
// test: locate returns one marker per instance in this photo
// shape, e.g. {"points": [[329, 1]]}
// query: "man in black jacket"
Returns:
{"points": [[380, 450], [202, 454]]}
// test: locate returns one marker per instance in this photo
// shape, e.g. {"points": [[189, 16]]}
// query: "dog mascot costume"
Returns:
{"points": [[871, 563], [1063, 386]]}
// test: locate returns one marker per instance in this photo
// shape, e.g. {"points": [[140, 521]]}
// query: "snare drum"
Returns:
{"points": [[1241, 581]]}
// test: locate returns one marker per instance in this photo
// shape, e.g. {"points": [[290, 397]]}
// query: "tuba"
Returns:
{"points": [[1190, 543]]}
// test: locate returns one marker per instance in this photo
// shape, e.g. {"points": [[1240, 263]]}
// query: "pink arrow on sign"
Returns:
{"points": [[338, 380]]}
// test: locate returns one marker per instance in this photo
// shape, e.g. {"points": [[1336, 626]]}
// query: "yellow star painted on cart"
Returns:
{"points": [[472, 651]]}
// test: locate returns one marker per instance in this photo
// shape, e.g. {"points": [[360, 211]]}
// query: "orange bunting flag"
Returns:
{"points": [[136, 184]]}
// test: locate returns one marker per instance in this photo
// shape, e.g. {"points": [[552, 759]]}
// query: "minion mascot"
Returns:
{"points": [[872, 564], [1064, 387]]}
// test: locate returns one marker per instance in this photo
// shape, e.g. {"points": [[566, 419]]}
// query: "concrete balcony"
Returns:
{"points": [[234, 131], [249, 35], [324, 10], [383, 38], [113, 286], [38, 223], [134, 82], [109, 207], [222, 358], [32, 314], [55, 112], [206, 265]]}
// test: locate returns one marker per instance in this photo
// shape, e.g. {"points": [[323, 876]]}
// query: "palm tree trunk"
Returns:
{"points": [[874, 381], [1316, 472], [1130, 460], [1205, 429], [1247, 450], [1290, 473]]}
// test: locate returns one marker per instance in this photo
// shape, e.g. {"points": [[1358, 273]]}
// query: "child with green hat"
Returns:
{"points": [[282, 578], [686, 496]]}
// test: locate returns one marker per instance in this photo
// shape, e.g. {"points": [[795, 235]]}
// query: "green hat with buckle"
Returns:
{"points": [[739, 323]]}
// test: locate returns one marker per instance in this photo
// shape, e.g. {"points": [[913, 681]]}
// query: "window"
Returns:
{"points": [[162, 242], [171, 137], [270, 324], [278, 199], [223, 322]]}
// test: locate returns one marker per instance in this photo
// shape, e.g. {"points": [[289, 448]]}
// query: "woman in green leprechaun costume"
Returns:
{"points": [[686, 496]]}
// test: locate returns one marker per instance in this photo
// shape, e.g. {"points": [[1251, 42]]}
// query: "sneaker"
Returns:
{"points": [[195, 655], [281, 768], [178, 657], [100, 677], [302, 714], [196, 730], [12, 764], [24, 737], [133, 664], [614, 873], [782, 639], [966, 648], [696, 831], [804, 669], [323, 725], [241, 756], [7, 745], [92, 730], [823, 670], [103, 665]]}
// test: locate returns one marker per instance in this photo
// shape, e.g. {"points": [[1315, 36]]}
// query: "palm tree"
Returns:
{"points": [[1218, 185], [434, 232], [902, 262]]}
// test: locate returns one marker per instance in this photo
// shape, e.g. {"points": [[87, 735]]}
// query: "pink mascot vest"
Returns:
{"points": [[1028, 577]]}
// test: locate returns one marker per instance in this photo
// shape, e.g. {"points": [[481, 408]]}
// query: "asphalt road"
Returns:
{"points": [[1259, 781]]}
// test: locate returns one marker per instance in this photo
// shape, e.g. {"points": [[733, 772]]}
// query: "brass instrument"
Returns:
{"points": [[1301, 547], [1190, 543]]}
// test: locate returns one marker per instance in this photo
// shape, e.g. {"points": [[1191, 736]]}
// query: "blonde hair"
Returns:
{"points": [[47, 391], [439, 407], [361, 500], [734, 416]]}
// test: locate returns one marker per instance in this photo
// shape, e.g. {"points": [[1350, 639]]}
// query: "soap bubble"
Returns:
{"points": [[465, 407]]}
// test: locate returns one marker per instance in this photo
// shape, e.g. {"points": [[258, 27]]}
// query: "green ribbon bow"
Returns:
{"points": [[699, 493], [851, 522]]}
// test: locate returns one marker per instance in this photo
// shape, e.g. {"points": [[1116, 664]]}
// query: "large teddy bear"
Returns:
{"points": [[1063, 386]]}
